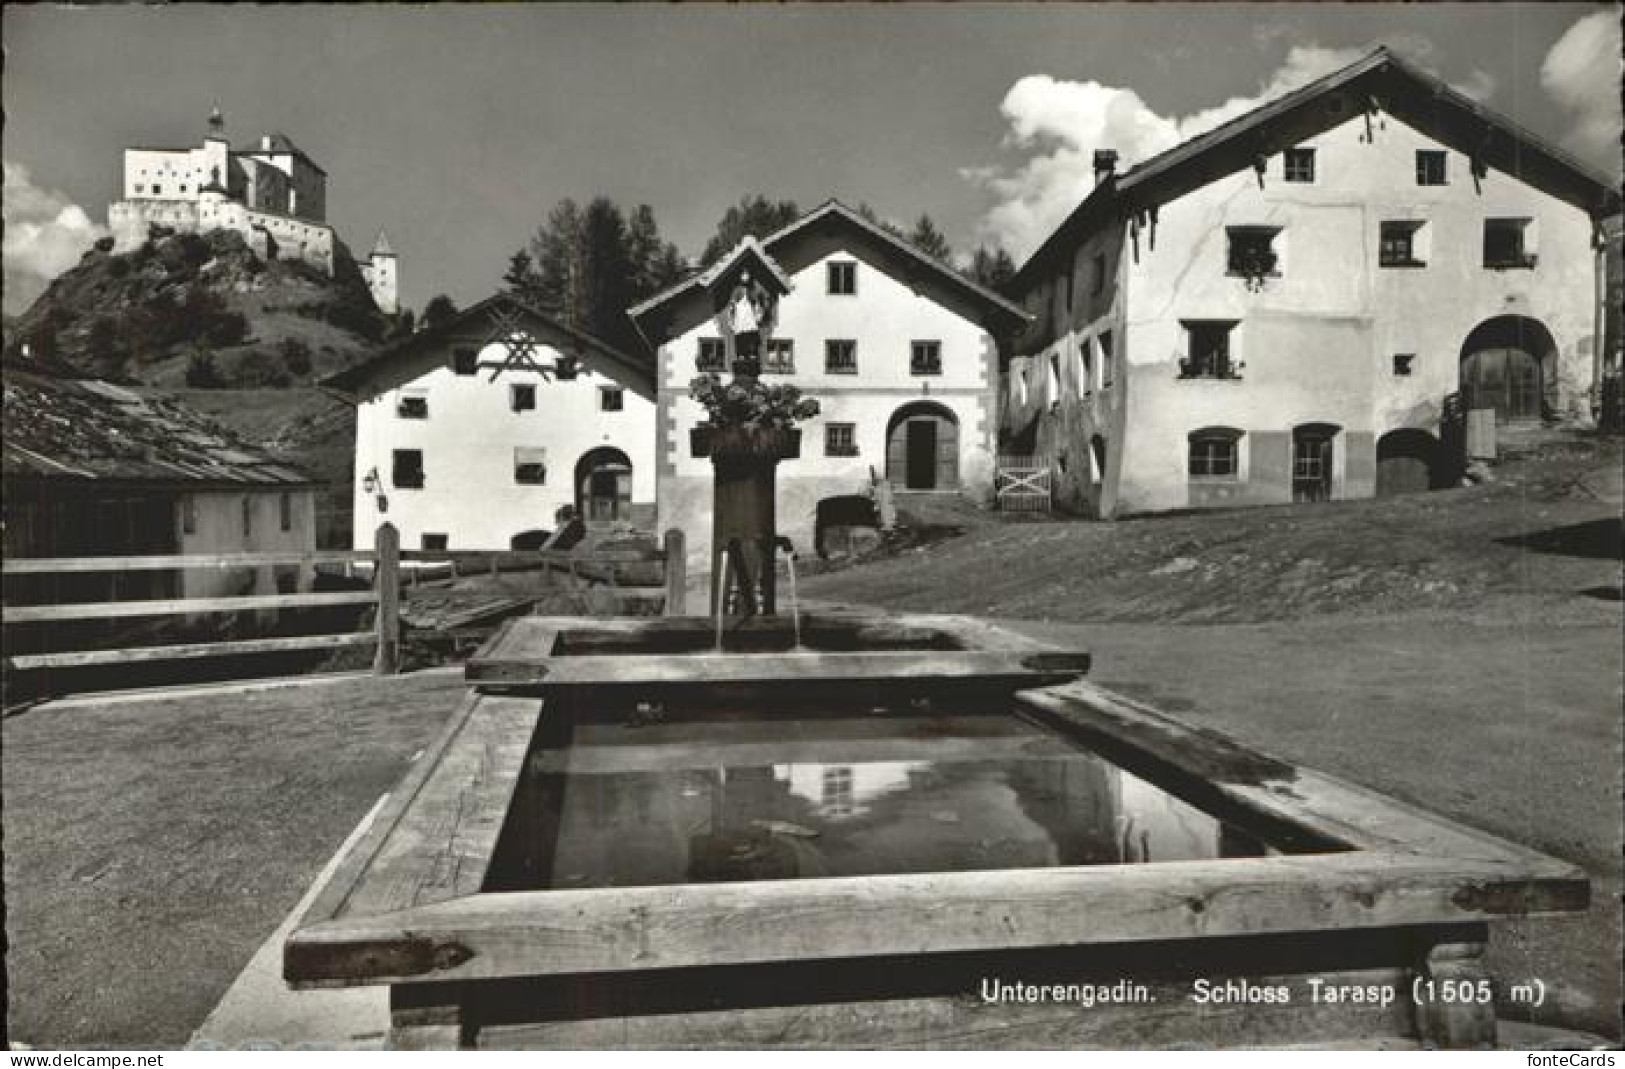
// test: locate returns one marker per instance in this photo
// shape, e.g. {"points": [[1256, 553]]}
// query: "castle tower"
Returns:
{"points": [[380, 273]]}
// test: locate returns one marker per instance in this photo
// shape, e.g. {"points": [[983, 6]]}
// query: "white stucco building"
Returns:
{"points": [[459, 452], [897, 348], [1302, 303]]}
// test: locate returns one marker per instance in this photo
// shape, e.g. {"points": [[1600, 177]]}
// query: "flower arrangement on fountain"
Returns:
{"points": [[746, 416]]}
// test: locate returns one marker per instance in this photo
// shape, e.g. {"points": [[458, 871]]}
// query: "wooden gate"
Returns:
{"points": [[1022, 484]]}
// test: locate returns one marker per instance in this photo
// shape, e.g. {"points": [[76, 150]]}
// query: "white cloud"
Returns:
{"points": [[46, 233], [1582, 73], [1060, 123]]}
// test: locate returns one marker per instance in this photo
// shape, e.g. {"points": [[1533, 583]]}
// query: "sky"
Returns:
{"points": [[456, 128]]}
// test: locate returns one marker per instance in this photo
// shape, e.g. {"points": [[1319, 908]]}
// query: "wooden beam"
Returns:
{"points": [[531, 933], [139, 654], [676, 573], [174, 561], [387, 588], [26, 614]]}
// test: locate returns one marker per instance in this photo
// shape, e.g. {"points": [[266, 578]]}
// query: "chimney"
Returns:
{"points": [[1105, 163]]}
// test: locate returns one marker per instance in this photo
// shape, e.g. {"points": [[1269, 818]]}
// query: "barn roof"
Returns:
{"points": [[93, 431], [475, 324], [1379, 80], [832, 213]]}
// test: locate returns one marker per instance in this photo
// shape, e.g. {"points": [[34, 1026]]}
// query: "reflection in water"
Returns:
{"points": [[694, 803]]}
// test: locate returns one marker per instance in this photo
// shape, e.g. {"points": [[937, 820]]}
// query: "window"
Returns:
{"points": [[408, 469], [841, 356], [157, 190], [434, 543], [189, 514], [530, 466], [843, 277], [1207, 343], [1099, 274], [1086, 367], [1251, 252], [1298, 165], [285, 511], [713, 356], [1430, 170], [1504, 244], [1403, 362], [611, 399], [465, 360], [1105, 339], [412, 406], [840, 440], [780, 357], [248, 515], [522, 396], [925, 358], [1215, 453], [1397, 246]]}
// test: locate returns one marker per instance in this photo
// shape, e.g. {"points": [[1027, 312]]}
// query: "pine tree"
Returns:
{"points": [[755, 217], [992, 268], [440, 310], [928, 239], [521, 278]]}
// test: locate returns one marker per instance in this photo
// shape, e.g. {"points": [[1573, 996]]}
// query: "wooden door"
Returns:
{"points": [[1311, 466], [1506, 380], [921, 472]]}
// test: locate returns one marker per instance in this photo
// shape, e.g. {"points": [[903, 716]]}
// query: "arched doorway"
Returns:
{"points": [[1408, 462], [1313, 461], [1505, 363], [922, 448], [603, 485]]}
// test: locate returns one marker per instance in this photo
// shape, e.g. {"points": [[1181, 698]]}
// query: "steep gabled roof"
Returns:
{"points": [[1379, 80], [477, 319], [833, 212], [86, 430]]}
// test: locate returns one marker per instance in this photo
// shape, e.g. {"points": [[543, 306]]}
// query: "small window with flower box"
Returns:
{"points": [[1207, 350], [779, 357], [840, 439], [1400, 244], [841, 356], [925, 358], [713, 355], [1252, 253]]}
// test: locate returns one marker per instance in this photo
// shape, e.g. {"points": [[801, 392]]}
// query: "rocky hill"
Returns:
{"points": [[201, 311]]}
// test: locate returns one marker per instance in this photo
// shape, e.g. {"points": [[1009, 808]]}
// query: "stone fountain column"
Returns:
{"points": [[745, 463]]}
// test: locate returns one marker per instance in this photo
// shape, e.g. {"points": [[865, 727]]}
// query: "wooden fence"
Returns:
{"points": [[1022, 484], [384, 562]]}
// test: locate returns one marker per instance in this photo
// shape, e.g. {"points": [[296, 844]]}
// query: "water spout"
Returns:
{"points": [[722, 594], [795, 603]]}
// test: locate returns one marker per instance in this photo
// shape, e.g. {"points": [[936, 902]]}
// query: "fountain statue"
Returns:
{"points": [[749, 429]]}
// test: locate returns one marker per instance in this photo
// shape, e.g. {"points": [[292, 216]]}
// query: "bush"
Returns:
{"points": [[260, 369], [202, 374], [296, 356], [118, 267]]}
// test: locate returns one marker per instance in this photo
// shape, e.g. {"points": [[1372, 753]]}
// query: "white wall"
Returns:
{"points": [[468, 442], [218, 528], [1318, 341]]}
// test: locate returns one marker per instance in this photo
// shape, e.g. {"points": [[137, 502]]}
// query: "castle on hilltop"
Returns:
{"points": [[273, 194]]}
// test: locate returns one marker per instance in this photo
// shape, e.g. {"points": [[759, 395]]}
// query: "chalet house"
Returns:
{"points": [[475, 433], [897, 348], [93, 469], [1299, 304]]}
